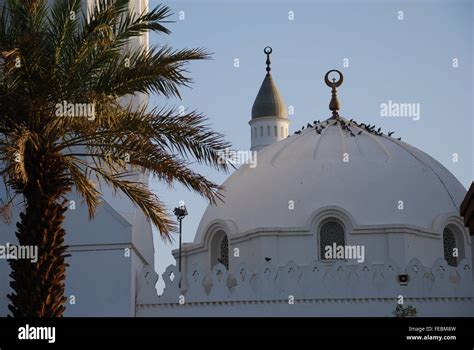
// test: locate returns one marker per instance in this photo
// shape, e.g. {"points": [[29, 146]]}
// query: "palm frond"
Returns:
{"points": [[84, 60]]}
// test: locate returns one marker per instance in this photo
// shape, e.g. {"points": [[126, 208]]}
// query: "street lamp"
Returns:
{"points": [[180, 213]]}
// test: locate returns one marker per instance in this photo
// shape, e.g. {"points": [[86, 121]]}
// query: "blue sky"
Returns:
{"points": [[406, 61]]}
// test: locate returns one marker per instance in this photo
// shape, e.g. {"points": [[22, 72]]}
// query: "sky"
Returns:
{"points": [[422, 55]]}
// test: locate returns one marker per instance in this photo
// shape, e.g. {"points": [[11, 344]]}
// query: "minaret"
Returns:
{"points": [[269, 123]]}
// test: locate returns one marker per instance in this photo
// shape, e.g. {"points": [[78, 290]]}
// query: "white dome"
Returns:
{"points": [[309, 169]]}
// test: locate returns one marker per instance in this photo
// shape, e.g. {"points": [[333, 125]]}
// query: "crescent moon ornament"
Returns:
{"points": [[334, 82], [334, 103]]}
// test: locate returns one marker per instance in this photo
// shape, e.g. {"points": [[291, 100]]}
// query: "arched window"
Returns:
{"points": [[451, 250], [255, 132], [282, 132], [220, 249], [261, 130], [268, 130], [276, 130], [330, 233], [224, 253]]}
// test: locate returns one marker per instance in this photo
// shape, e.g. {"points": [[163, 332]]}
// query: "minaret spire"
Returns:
{"points": [[269, 123], [268, 50]]}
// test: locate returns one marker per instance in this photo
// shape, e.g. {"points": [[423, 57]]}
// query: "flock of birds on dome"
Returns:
{"points": [[346, 126]]}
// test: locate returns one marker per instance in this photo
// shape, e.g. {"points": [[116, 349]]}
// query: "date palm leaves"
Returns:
{"points": [[51, 58]]}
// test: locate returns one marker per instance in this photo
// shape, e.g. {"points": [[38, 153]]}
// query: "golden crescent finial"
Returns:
{"points": [[334, 104], [334, 82]]}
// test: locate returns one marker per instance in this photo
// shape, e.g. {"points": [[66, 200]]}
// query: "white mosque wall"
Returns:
{"points": [[104, 265], [103, 281], [396, 242], [339, 289], [138, 229], [99, 283], [364, 307]]}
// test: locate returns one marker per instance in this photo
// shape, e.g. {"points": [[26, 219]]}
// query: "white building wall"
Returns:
{"points": [[103, 266], [311, 308], [100, 280], [302, 247], [339, 289]]}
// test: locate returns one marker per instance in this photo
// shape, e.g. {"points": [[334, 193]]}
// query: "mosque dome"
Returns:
{"points": [[376, 178], [310, 170], [340, 212]]}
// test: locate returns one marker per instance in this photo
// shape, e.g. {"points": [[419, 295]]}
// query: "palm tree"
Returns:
{"points": [[56, 57]]}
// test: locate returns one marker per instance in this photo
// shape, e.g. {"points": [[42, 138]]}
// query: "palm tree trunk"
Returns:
{"points": [[38, 288]]}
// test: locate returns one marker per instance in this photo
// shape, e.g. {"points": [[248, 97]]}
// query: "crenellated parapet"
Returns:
{"points": [[317, 281]]}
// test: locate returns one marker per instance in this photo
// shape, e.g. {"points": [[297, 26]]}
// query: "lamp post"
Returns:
{"points": [[180, 213]]}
